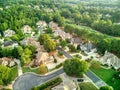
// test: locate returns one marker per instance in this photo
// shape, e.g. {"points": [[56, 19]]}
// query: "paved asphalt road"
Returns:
{"points": [[28, 80]]}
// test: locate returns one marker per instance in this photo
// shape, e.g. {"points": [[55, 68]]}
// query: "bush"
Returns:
{"points": [[106, 88], [49, 84], [60, 53], [95, 64], [72, 48], [55, 60], [59, 65]]}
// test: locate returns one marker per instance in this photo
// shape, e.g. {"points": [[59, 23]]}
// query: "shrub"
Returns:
{"points": [[48, 85]]}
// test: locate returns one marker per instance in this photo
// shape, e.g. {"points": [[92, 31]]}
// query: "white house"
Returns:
{"points": [[26, 29], [111, 60], [9, 33], [88, 47]]}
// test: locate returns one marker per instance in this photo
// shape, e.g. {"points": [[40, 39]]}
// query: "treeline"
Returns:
{"points": [[103, 42], [16, 16]]}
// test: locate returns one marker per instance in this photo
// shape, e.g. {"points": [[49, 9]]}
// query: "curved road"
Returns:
{"points": [[29, 80]]}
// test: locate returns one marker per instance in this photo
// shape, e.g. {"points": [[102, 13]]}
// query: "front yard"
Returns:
{"points": [[27, 69], [107, 75], [87, 86]]}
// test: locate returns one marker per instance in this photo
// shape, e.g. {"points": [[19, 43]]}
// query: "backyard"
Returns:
{"points": [[107, 75]]}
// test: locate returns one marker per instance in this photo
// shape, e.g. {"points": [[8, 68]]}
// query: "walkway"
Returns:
{"points": [[19, 67]]}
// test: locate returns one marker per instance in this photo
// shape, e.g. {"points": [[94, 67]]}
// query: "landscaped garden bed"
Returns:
{"points": [[48, 85]]}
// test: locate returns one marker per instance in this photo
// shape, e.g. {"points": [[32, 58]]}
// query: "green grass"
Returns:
{"points": [[87, 86], [14, 73], [27, 69], [107, 75]]}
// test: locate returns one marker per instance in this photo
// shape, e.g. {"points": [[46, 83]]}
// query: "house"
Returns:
{"points": [[53, 25], [26, 29], [9, 33], [31, 41], [62, 34], [10, 43], [111, 60], [41, 24], [88, 47], [7, 61], [76, 40], [41, 57]]}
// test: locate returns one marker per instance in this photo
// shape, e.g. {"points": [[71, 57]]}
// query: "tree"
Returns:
{"points": [[43, 69], [75, 67], [26, 56], [63, 43], [106, 88], [49, 30], [50, 45], [43, 38], [5, 75]]}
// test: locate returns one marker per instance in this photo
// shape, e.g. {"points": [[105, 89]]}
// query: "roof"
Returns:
{"points": [[76, 40], [30, 41], [7, 43], [110, 59], [26, 27], [41, 56], [41, 23], [53, 24]]}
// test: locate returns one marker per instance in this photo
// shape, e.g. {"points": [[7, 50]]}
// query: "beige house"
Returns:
{"points": [[7, 61], [53, 25], [41, 24], [31, 41], [41, 57], [9, 33], [26, 29], [62, 34]]}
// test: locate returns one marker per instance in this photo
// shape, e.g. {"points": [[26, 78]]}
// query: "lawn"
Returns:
{"points": [[27, 69], [107, 76], [87, 86]]}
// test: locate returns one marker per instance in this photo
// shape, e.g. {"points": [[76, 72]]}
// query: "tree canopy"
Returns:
{"points": [[75, 67]]}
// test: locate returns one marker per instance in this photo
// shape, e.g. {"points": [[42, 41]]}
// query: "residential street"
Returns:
{"points": [[29, 80]]}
